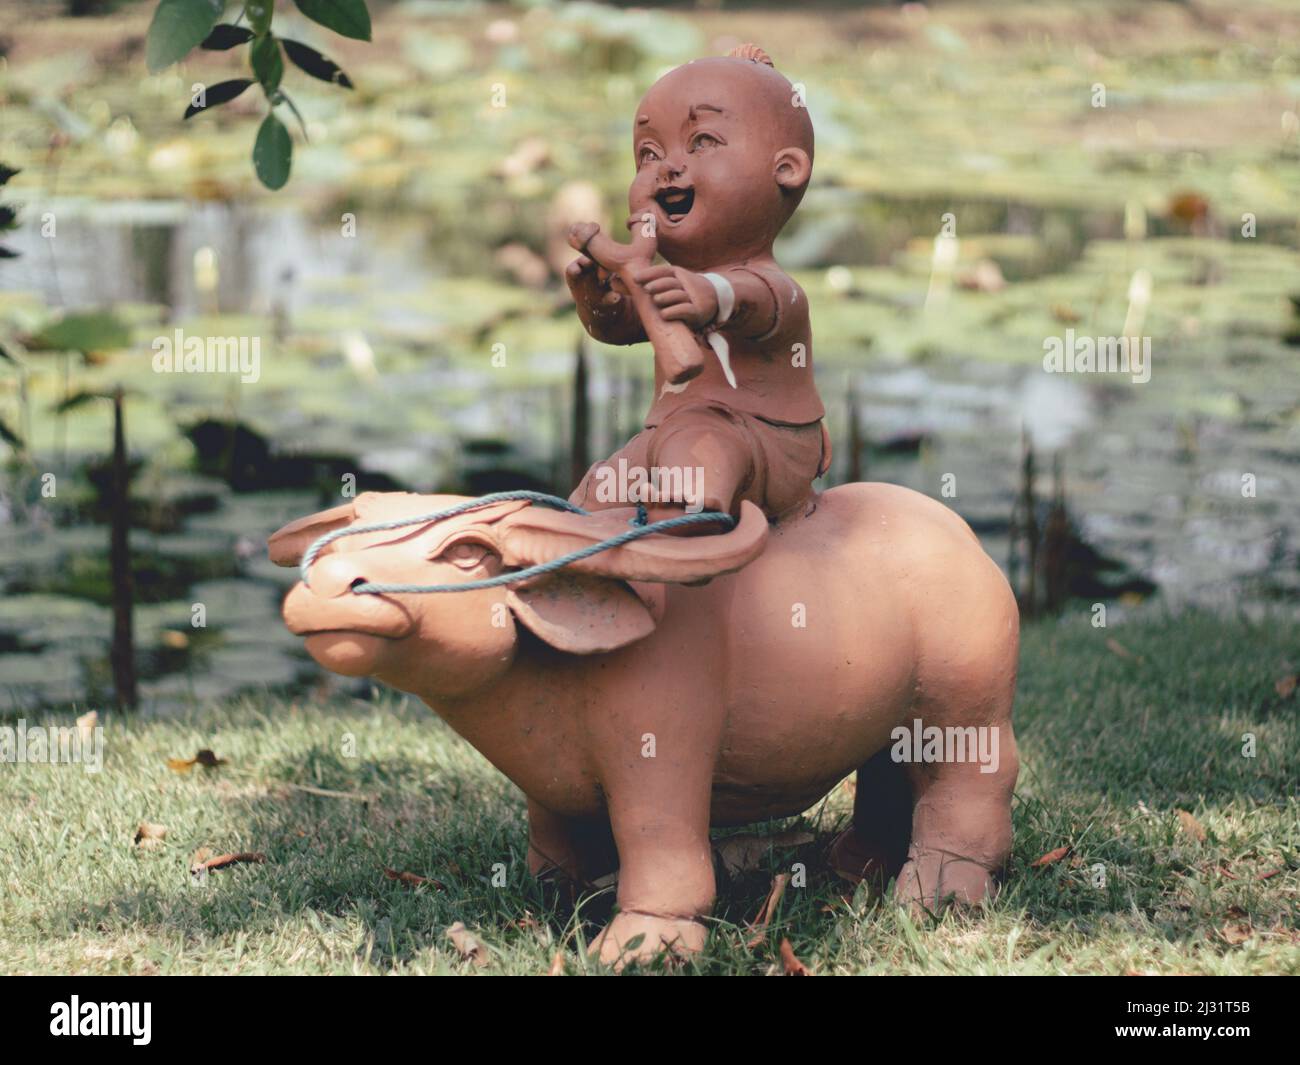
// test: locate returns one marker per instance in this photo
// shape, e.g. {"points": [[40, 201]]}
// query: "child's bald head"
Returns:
{"points": [[750, 75], [724, 146]]}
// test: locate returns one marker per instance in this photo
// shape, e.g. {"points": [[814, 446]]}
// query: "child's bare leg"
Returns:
{"points": [[701, 463], [697, 461]]}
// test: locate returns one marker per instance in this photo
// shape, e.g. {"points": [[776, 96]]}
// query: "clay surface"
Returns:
{"points": [[635, 712], [723, 151], [642, 695]]}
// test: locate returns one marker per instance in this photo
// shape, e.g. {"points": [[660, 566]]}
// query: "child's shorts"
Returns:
{"points": [[710, 457]]}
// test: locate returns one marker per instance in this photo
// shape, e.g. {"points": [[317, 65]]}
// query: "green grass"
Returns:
{"points": [[1112, 748]]}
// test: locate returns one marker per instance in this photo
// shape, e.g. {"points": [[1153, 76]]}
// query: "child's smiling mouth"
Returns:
{"points": [[676, 203]]}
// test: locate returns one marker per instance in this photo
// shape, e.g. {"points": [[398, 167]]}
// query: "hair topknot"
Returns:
{"points": [[753, 53]]}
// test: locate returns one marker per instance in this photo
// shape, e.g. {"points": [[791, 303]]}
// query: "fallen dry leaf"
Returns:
{"points": [[203, 862], [412, 879], [789, 963], [557, 964], [150, 835], [466, 945], [86, 725], [204, 758], [1050, 857], [759, 925], [1235, 933], [1286, 686], [1115, 647], [1191, 826], [746, 853]]}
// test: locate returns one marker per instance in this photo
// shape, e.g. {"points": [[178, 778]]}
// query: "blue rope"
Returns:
{"points": [[438, 515], [636, 532]]}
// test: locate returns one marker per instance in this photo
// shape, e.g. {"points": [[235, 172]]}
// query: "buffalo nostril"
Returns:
{"points": [[337, 575]]}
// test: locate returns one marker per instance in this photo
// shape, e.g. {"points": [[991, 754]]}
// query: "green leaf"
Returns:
{"points": [[90, 331], [177, 27], [310, 61], [259, 14], [225, 37], [284, 96], [347, 17], [272, 153], [221, 93], [268, 63]]}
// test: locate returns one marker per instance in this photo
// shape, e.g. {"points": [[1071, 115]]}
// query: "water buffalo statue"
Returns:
{"points": [[648, 692]]}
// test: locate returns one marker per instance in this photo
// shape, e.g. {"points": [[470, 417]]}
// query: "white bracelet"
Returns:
{"points": [[726, 297]]}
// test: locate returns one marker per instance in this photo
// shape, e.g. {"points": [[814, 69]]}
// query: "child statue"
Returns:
{"points": [[724, 150]]}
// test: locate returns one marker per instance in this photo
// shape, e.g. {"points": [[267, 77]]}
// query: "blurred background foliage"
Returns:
{"points": [[421, 234]]}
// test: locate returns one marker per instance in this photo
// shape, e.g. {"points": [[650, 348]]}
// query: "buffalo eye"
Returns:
{"points": [[464, 555]]}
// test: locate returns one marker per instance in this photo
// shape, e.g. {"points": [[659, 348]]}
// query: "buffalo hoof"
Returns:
{"points": [[642, 937], [933, 879]]}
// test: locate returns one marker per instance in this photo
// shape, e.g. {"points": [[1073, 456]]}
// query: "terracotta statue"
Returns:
{"points": [[723, 151], [634, 714], [640, 695]]}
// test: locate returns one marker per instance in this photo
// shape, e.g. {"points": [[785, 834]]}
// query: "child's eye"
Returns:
{"points": [[646, 155], [704, 140]]}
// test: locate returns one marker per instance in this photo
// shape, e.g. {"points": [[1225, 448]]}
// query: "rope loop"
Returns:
{"points": [[639, 528]]}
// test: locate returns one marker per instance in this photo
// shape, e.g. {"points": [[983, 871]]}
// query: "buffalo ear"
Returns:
{"points": [[536, 535], [581, 614], [288, 544]]}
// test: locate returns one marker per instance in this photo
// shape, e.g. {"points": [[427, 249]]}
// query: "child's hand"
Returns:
{"points": [[681, 295], [589, 283], [604, 308]]}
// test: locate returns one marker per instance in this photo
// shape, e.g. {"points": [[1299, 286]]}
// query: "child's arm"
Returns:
{"points": [[605, 312], [764, 299]]}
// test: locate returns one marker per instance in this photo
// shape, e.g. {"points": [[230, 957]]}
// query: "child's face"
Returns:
{"points": [[705, 167]]}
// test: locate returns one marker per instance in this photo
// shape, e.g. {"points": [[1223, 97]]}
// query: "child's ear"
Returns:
{"points": [[792, 169]]}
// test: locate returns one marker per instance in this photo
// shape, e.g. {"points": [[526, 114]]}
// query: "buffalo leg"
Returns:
{"points": [[874, 848], [659, 811], [571, 850], [961, 829]]}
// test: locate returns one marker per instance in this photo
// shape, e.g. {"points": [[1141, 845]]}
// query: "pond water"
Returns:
{"points": [[368, 372]]}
